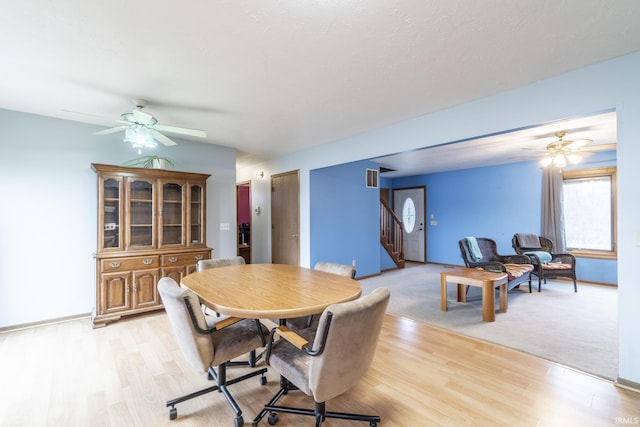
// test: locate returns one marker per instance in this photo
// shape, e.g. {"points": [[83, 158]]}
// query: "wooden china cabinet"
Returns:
{"points": [[151, 224]]}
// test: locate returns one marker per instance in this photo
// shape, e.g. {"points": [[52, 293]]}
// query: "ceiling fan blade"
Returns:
{"points": [[163, 139], [142, 117], [183, 131], [577, 144], [110, 130], [600, 147]]}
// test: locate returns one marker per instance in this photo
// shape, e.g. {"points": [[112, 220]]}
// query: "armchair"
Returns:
{"points": [[518, 267], [537, 248], [206, 264], [208, 342], [341, 353]]}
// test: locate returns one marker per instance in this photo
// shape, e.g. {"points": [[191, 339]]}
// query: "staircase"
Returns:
{"points": [[391, 234]]}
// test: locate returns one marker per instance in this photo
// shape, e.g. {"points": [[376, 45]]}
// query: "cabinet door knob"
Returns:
{"points": [[173, 259], [198, 257], [147, 261], [114, 264]]}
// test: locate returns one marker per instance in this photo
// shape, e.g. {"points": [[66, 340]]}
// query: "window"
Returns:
{"points": [[409, 215], [590, 212]]}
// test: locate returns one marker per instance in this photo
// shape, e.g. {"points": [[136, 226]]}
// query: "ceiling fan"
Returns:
{"points": [[564, 151], [142, 129]]}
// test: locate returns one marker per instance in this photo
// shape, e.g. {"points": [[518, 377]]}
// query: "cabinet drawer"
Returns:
{"points": [[133, 263], [184, 259]]}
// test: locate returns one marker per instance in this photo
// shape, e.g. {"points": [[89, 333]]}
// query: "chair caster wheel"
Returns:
{"points": [[173, 413], [273, 419], [263, 380], [238, 421]]}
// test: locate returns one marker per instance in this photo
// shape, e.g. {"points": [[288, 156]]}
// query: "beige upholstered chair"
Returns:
{"points": [[205, 264], [209, 343], [328, 267], [343, 348], [339, 269]]}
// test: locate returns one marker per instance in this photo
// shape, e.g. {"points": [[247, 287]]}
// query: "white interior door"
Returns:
{"points": [[409, 206]]}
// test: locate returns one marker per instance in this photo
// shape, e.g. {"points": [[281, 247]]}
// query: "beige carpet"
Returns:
{"points": [[578, 330]]}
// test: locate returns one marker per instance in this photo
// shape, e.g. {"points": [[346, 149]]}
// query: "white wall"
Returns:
{"points": [[612, 84], [48, 213]]}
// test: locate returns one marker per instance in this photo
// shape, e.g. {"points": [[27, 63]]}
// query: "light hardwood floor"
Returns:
{"points": [[69, 374]]}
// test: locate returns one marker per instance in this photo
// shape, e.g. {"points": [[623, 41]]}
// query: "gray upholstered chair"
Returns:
{"points": [[342, 351], [328, 267], [205, 264], [208, 343]]}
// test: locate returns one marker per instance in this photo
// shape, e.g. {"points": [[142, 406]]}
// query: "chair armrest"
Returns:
{"points": [[226, 322], [493, 266], [516, 259], [564, 258], [534, 259], [286, 334], [289, 335]]}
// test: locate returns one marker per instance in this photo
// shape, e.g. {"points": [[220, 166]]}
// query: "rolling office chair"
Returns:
{"points": [[209, 342], [342, 351], [328, 267], [205, 264]]}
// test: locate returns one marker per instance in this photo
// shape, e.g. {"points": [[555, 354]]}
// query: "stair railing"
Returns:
{"points": [[391, 233]]}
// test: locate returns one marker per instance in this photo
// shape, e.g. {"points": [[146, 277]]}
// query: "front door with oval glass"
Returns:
{"points": [[408, 205]]}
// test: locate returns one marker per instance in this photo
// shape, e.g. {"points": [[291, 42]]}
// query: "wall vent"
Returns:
{"points": [[372, 178]]}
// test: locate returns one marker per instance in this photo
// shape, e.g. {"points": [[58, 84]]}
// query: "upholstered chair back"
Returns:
{"points": [[205, 264], [198, 349], [351, 343], [339, 269]]}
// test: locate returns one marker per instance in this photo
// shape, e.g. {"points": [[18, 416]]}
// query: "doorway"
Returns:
{"points": [[409, 206], [243, 219], [285, 218]]}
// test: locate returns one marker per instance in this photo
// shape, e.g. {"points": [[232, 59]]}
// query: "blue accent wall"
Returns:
{"points": [[493, 201], [345, 217]]}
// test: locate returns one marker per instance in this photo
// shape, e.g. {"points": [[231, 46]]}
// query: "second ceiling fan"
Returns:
{"points": [[563, 151]]}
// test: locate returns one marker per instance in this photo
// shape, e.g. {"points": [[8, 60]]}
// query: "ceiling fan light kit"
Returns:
{"points": [[139, 137]]}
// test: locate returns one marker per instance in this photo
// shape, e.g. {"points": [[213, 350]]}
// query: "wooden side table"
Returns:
{"points": [[474, 277]]}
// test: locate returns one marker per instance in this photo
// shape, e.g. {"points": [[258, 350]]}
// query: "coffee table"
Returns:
{"points": [[486, 280]]}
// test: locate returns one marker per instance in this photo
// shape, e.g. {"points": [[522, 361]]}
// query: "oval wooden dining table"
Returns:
{"points": [[268, 291]]}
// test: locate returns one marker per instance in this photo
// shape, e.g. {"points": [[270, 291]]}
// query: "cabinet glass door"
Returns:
{"points": [[196, 230], [111, 193], [172, 210], [141, 233]]}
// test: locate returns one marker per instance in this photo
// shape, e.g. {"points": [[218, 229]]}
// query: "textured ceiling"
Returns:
{"points": [[273, 77]]}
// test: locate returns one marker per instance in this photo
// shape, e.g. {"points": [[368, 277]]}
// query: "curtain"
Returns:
{"points": [[552, 226]]}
